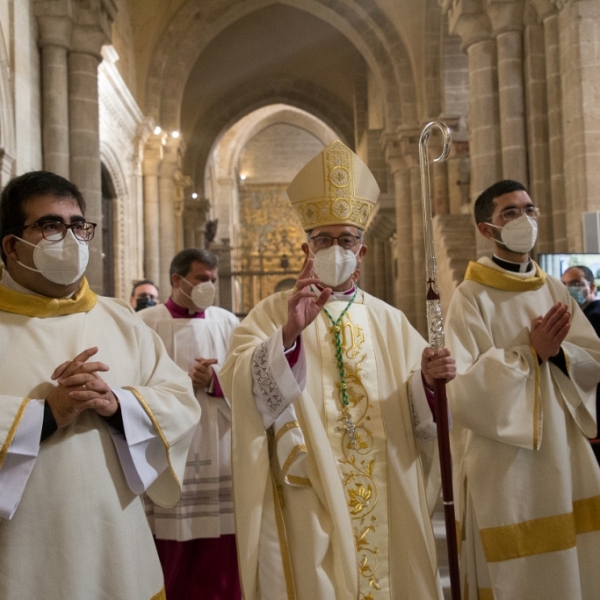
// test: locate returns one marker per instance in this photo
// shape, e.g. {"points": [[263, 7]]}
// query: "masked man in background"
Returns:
{"points": [[195, 538], [144, 294], [93, 412], [581, 285], [329, 388], [523, 404]]}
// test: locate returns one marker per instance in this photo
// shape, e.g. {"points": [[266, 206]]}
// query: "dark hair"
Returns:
{"points": [[26, 187], [182, 261], [142, 282], [484, 205], [587, 273]]}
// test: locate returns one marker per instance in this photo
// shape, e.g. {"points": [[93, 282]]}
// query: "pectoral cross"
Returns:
{"points": [[349, 426]]}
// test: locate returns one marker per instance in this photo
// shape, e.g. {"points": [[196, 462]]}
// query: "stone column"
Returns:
{"points": [[55, 26], [91, 30], [579, 43], [153, 155], [537, 130], [418, 250], [506, 19], [397, 153], [166, 186], [555, 133], [181, 183]]}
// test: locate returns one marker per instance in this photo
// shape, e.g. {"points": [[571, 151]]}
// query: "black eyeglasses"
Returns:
{"points": [[54, 231], [324, 240]]}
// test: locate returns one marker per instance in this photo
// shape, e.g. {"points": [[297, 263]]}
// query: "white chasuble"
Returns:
{"points": [[527, 485], [79, 531], [206, 506], [362, 465], [352, 523]]}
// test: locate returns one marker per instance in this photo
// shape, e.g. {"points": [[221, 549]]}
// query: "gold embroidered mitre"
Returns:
{"points": [[334, 188]]}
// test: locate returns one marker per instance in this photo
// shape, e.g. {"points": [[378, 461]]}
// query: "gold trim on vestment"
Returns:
{"points": [[283, 545], [289, 425], [292, 457], [161, 435], [538, 536], [501, 280], [13, 430], [29, 305], [567, 362], [362, 466], [485, 593], [587, 515], [298, 480], [536, 400], [162, 595]]}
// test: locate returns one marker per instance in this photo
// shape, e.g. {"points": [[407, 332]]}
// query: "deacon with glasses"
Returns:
{"points": [[523, 405], [332, 433], [93, 412]]}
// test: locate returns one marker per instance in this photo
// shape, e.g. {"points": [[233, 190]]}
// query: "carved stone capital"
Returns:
{"points": [[153, 155], [505, 15], [401, 148], [92, 29], [544, 8], [55, 22], [468, 19]]}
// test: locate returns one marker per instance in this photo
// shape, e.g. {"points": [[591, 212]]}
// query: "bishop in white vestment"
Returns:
{"points": [[333, 436]]}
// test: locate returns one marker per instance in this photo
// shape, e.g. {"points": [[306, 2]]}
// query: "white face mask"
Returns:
{"points": [[203, 294], [335, 265], [519, 235], [61, 262]]}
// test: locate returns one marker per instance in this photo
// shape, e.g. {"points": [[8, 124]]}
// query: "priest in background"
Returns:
{"points": [[93, 413], [523, 404], [333, 436], [196, 537]]}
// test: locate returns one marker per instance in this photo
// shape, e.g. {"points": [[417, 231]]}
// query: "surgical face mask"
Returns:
{"points": [[518, 235], [62, 262], [144, 302], [335, 265], [203, 294], [577, 294]]}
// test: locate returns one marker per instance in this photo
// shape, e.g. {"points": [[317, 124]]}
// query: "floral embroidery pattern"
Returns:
{"points": [[262, 375], [358, 463]]}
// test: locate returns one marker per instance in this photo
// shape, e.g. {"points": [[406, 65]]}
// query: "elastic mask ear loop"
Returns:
{"points": [[23, 264]]}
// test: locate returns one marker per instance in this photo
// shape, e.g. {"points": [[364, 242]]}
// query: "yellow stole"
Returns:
{"points": [[503, 280], [363, 470], [83, 300]]}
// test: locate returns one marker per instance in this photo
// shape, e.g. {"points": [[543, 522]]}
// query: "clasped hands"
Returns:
{"points": [[79, 388], [201, 373], [548, 332]]}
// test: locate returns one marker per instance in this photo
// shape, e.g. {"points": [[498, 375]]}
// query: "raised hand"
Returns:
{"points": [[303, 305], [437, 365], [201, 373], [548, 332]]}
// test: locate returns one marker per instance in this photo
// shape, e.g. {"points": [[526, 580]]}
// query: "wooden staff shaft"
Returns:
{"points": [[441, 418]]}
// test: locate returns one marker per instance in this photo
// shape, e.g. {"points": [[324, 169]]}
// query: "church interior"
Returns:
{"points": [[183, 122]]}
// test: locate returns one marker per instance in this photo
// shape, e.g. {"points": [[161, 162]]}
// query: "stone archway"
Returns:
{"points": [[363, 23], [261, 250]]}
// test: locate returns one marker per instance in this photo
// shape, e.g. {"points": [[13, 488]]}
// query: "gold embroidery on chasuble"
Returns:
{"points": [[363, 468]]}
